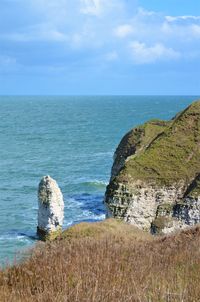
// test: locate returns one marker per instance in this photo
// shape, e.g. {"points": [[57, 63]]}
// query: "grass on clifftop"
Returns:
{"points": [[108, 262], [173, 156], [138, 139]]}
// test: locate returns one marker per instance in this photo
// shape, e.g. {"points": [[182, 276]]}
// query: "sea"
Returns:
{"points": [[72, 139]]}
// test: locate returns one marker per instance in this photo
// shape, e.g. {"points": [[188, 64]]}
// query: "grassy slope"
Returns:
{"points": [[136, 140], [172, 157], [110, 262]]}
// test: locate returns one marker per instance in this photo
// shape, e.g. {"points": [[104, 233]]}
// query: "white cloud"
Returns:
{"points": [[181, 18], [143, 54], [146, 13], [92, 7], [100, 27], [185, 29], [112, 56], [123, 31], [60, 10], [101, 7], [195, 30], [72, 21]]}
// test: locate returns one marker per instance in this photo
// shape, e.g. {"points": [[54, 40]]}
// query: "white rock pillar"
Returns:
{"points": [[50, 209]]}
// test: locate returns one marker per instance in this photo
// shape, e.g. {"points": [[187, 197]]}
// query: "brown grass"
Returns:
{"points": [[108, 262]]}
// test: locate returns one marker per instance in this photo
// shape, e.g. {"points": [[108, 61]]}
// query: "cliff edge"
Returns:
{"points": [[155, 178]]}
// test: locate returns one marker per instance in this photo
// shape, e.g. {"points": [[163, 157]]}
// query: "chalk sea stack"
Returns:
{"points": [[155, 178], [50, 209]]}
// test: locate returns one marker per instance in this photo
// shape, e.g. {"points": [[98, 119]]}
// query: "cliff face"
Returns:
{"points": [[50, 209], [155, 178]]}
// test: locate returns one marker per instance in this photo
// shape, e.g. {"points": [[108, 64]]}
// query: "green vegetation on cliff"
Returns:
{"points": [[136, 141], [140, 137], [171, 157]]}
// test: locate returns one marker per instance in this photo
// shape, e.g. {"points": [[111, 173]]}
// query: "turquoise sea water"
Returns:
{"points": [[73, 140]]}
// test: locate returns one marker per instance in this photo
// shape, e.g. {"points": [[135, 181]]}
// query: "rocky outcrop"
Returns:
{"points": [[50, 209], [156, 174]]}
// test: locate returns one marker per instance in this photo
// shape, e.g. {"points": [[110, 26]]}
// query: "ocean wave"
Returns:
{"points": [[18, 236], [85, 185], [99, 217], [84, 180], [87, 217], [95, 183], [81, 207]]}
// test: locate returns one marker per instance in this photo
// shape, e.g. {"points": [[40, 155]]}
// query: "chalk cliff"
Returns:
{"points": [[155, 178], [50, 209]]}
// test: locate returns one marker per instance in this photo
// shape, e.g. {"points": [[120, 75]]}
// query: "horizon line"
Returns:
{"points": [[95, 95]]}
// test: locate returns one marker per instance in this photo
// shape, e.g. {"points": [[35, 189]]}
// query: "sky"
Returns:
{"points": [[99, 47]]}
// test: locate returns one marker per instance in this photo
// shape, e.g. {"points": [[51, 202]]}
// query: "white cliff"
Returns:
{"points": [[50, 208]]}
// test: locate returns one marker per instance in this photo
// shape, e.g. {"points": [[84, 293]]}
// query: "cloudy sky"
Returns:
{"points": [[100, 47]]}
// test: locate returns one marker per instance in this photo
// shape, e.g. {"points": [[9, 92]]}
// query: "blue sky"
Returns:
{"points": [[100, 47]]}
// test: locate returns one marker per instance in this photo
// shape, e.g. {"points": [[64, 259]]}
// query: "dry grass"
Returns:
{"points": [[108, 262]]}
